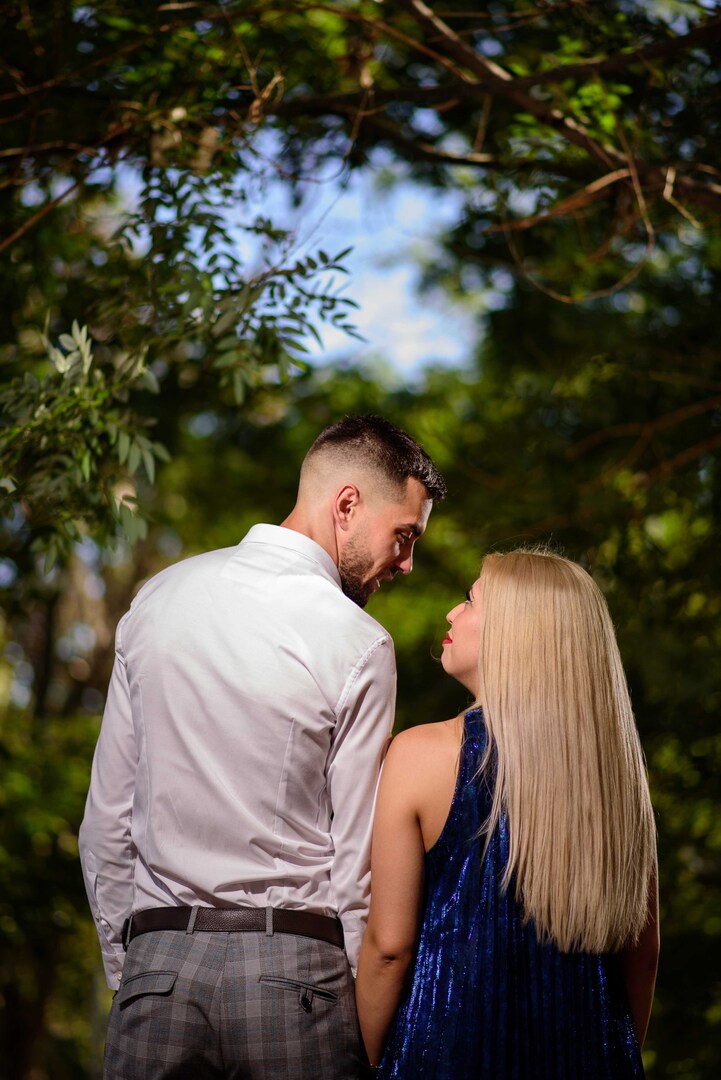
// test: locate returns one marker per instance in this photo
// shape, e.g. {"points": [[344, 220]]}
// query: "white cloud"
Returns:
{"points": [[386, 229]]}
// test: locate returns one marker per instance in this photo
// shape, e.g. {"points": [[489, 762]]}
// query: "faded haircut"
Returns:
{"points": [[383, 447]]}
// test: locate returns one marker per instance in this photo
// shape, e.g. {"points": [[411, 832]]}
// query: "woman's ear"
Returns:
{"points": [[345, 505]]}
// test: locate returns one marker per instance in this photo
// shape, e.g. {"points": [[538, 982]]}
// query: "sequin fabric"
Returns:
{"points": [[486, 1000]]}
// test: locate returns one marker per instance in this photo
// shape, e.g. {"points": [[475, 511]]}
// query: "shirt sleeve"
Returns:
{"points": [[363, 727], [106, 850]]}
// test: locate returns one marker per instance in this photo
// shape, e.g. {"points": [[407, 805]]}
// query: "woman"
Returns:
{"points": [[514, 851]]}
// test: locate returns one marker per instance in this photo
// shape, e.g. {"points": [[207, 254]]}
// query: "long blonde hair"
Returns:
{"points": [[571, 776]]}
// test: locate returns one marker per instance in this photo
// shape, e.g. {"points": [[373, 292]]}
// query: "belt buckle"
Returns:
{"points": [[125, 932]]}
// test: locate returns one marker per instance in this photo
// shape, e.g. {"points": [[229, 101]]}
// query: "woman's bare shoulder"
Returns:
{"points": [[424, 744], [422, 767]]}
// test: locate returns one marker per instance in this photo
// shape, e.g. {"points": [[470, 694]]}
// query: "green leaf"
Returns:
{"points": [[150, 382], [238, 387], [229, 342], [51, 557], [133, 458], [312, 329], [248, 297], [123, 447], [72, 531], [161, 452], [227, 360], [294, 344], [149, 463], [127, 522], [224, 322]]}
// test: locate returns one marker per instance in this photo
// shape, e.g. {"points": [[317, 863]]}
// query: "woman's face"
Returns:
{"points": [[461, 644]]}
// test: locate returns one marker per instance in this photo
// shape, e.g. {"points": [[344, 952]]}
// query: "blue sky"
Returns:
{"points": [[391, 231]]}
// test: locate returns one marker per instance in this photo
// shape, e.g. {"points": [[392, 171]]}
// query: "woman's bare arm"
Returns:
{"points": [[396, 893], [414, 797], [640, 963]]}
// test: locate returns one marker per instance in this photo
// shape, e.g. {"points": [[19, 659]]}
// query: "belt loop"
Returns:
{"points": [[125, 932], [269, 922], [191, 921]]}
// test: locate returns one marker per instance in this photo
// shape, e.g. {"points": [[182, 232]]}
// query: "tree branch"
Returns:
{"points": [[685, 457], [598, 189], [704, 193], [644, 428], [428, 97], [38, 215], [494, 78], [622, 60]]}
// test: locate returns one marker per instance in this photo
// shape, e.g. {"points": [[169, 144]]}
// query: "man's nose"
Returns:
{"points": [[404, 563]]}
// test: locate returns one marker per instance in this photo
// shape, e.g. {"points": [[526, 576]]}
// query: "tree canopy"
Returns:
{"points": [[583, 138]]}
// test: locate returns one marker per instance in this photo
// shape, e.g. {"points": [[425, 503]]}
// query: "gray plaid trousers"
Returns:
{"points": [[236, 1006]]}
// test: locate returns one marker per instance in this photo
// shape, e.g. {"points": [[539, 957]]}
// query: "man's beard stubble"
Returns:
{"points": [[353, 566]]}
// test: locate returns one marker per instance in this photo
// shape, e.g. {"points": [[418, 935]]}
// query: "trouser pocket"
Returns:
{"points": [[147, 982], [306, 992]]}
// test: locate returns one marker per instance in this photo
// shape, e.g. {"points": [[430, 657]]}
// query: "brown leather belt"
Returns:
{"points": [[225, 920]]}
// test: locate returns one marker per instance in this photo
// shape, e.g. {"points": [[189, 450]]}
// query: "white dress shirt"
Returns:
{"points": [[247, 713]]}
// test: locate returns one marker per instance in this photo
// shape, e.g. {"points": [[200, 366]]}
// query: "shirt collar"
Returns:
{"points": [[278, 536]]}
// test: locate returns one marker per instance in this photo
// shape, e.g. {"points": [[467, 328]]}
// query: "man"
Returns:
{"points": [[226, 834]]}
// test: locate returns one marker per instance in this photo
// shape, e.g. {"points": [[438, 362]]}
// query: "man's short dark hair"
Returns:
{"points": [[385, 447]]}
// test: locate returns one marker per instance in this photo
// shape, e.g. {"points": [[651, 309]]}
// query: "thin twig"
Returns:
{"points": [[692, 453], [578, 201], [622, 60], [662, 423], [38, 215]]}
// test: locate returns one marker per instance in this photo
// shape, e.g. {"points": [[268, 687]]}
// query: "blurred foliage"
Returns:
{"points": [[580, 138], [580, 107], [521, 450], [594, 424], [127, 215], [46, 941], [72, 440], [55, 444]]}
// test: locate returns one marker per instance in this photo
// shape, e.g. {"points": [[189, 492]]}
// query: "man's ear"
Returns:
{"points": [[346, 505]]}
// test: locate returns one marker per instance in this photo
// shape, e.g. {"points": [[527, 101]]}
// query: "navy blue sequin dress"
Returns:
{"points": [[486, 1001]]}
